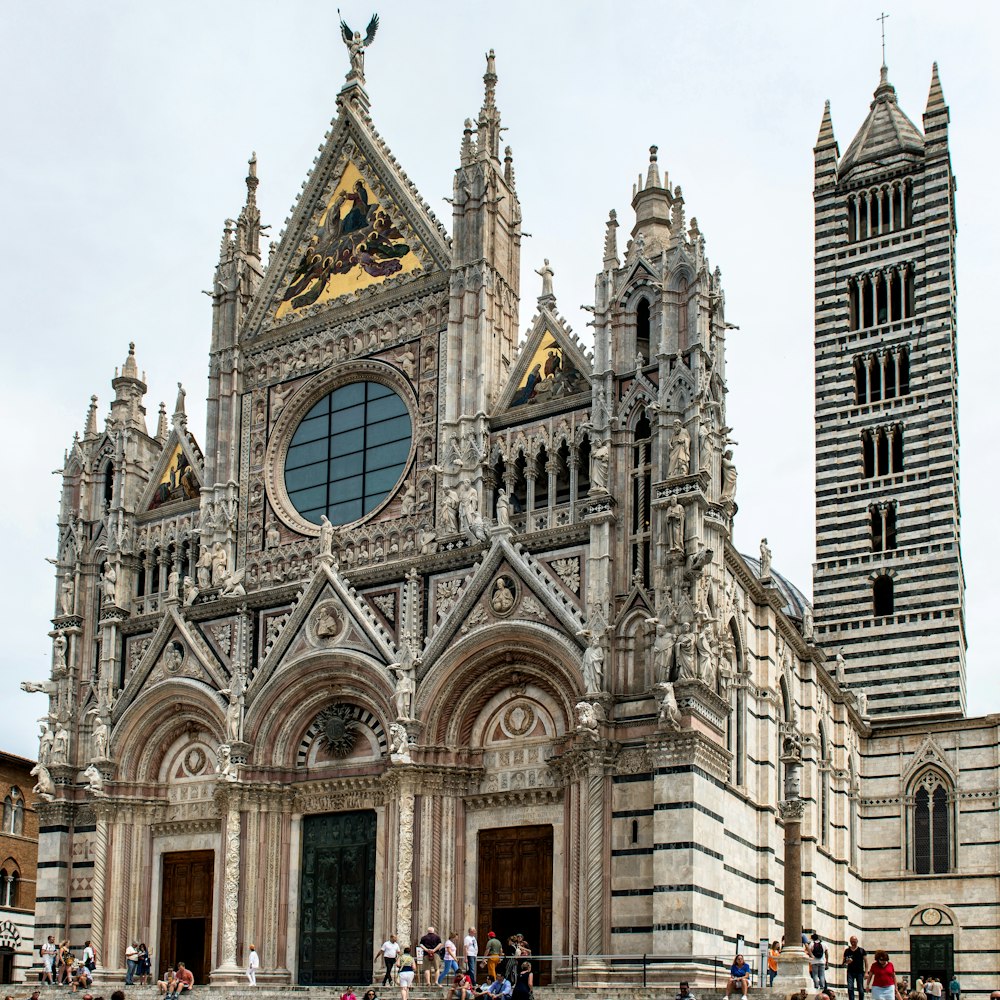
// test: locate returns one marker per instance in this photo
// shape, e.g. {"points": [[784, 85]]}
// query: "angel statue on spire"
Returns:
{"points": [[356, 47]]}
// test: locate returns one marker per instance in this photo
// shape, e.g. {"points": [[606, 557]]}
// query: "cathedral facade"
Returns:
{"points": [[444, 624]]}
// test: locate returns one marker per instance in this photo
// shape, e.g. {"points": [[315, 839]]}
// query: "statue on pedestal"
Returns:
{"points": [[679, 461]]}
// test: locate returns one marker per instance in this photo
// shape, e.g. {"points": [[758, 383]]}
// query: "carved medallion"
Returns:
{"points": [[519, 719], [503, 596], [194, 761], [173, 657], [326, 624]]}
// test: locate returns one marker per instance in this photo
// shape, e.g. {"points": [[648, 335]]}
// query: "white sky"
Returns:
{"points": [[127, 129]]}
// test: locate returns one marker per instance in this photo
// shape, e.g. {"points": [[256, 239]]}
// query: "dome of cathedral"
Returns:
{"points": [[795, 601]]}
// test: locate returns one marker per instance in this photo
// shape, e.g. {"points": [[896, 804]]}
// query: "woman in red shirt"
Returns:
{"points": [[882, 977]]}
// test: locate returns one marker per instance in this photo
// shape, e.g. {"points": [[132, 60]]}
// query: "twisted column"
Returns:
{"points": [[98, 888], [595, 862], [404, 854]]}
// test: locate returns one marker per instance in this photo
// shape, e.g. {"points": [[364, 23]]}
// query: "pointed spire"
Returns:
{"points": [[826, 152], [885, 92], [248, 224], [653, 174], [161, 424], [130, 369], [677, 223], [508, 167], [826, 137], [935, 97], [468, 151], [90, 425], [489, 116], [227, 246], [611, 261]]}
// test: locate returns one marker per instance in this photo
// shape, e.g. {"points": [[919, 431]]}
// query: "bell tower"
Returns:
{"points": [[888, 585]]}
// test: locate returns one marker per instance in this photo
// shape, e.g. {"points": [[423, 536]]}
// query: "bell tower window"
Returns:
{"points": [[642, 337]]}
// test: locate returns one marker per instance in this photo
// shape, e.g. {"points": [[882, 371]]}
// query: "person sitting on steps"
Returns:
{"points": [[739, 977]]}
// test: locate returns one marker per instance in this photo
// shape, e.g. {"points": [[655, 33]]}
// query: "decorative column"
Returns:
{"points": [[228, 800], [99, 883], [404, 856], [793, 964]]}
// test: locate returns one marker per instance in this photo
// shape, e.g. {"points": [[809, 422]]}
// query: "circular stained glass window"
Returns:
{"points": [[348, 453]]}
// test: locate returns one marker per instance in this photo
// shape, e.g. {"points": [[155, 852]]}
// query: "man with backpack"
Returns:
{"points": [[816, 951]]}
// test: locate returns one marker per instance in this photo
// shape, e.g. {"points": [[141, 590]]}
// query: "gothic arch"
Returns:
{"points": [[151, 724], [285, 709], [452, 694]]}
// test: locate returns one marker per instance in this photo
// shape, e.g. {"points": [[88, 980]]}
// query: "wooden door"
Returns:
{"points": [[515, 887], [337, 899], [186, 914]]}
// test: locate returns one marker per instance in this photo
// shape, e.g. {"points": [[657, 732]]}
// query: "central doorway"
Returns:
{"points": [[186, 916], [932, 955], [515, 889], [337, 910]]}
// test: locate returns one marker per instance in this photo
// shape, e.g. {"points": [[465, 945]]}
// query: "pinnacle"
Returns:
{"points": [[935, 97]]}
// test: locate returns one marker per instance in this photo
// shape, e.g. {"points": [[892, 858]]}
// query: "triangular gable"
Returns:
{"points": [[195, 659], [638, 599], [178, 474], [551, 364], [359, 224], [528, 571], [641, 391], [328, 614], [640, 271]]}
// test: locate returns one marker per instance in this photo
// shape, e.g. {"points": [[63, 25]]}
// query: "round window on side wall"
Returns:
{"points": [[348, 453]]}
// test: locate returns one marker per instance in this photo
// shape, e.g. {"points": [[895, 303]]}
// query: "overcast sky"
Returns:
{"points": [[127, 128]]}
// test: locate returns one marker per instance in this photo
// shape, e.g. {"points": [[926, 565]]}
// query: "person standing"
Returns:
{"points": [[450, 959], [856, 963], [407, 968], [772, 962], [494, 951], [89, 956], [143, 965], [48, 952], [816, 951], [131, 963], [954, 988], [881, 979], [253, 964], [471, 947], [431, 944], [390, 951]]}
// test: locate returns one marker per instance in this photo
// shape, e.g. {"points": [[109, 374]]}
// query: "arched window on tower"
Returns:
{"points": [[875, 519], [903, 356], [542, 478], [867, 454], [641, 497], [881, 452], [642, 328], [13, 812], [109, 483], [860, 381], [932, 834], [889, 522], [897, 448], [882, 597]]}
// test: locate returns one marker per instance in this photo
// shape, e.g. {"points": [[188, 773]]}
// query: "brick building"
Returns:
{"points": [[18, 864]]}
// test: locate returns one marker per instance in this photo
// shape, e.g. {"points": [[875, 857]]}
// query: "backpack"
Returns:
{"points": [[817, 949]]}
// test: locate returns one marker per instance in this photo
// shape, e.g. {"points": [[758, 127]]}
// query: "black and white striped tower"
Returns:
{"points": [[888, 581]]}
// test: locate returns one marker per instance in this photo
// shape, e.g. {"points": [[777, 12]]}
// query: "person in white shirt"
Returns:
{"points": [[390, 950], [48, 951], [471, 947], [253, 964]]}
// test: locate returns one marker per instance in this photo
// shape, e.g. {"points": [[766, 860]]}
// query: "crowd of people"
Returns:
{"points": [[461, 974]]}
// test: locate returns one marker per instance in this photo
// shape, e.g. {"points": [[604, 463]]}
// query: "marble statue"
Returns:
{"points": [[60, 745], [502, 598], [408, 503], [204, 568], [325, 537], [593, 662], [663, 649], [808, 624], [675, 526], [45, 740], [427, 541], [670, 713], [503, 509], [468, 512], [586, 719], [45, 787], [66, 596], [863, 704], [100, 735], [95, 780], [109, 583], [684, 653], [405, 689], [226, 767], [173, 585], [728, 476], [231, 584], [236, 692], [273, 536], [356, 46], [59, 652], [705, 657], [190, 592], [679, 460], [839, 670], [449, 511], [220, 561], [545, 272], [399, 746], [765, 560], [600, 465]]}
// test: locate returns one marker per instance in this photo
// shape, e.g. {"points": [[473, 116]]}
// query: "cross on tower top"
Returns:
{"points": [[882, 18]]}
